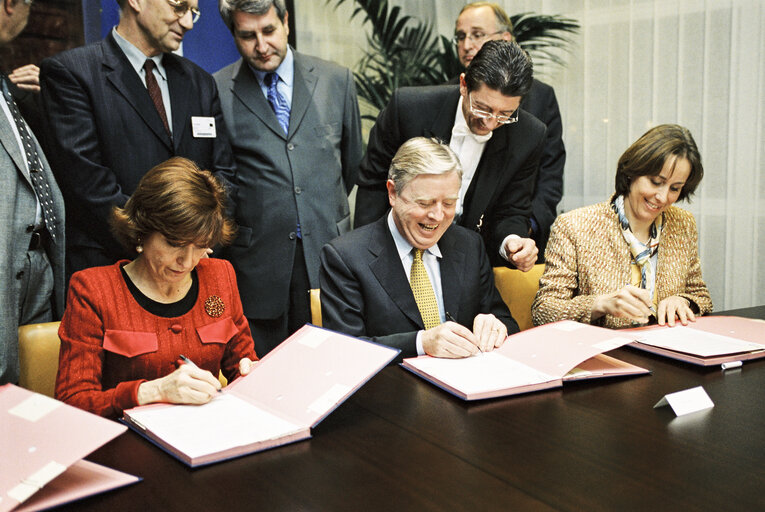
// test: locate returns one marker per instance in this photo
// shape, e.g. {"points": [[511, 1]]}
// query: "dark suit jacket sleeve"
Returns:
{"points": [[549, 187], [76, 158], [384, 141], [342, 304], [491, 301], [512, 208], [351, 145], [223, 157]]}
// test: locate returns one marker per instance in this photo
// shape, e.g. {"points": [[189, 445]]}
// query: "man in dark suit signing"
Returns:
{"points": [[296, 135], [413, 280], [117, 108], [497, 143], [32, 216], [477, 23]]}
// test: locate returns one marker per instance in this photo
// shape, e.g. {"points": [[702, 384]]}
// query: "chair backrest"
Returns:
{"points": [[315, 307], [38, 357], [518, 290]]}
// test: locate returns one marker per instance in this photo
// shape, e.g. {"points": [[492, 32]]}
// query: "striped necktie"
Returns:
{"points": [[423, 292], [277, 102], [155, 93]]}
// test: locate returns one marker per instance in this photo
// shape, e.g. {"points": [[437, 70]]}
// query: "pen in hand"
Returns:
{"points": [[191, 363], [449, 317]]}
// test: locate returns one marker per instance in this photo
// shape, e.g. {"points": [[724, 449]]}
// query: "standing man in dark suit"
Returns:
{"points": [[117, 108], [477, 23], [411, 279], [32, 215], [296, 135], [498, 144]]}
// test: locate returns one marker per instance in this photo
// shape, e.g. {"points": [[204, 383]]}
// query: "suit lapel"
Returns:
{"points": [[386, 267], [180, 96], [11, 145], [487, 177], [452, 262], [443, 120], [120, 73], [247, 90], [304, 83]]}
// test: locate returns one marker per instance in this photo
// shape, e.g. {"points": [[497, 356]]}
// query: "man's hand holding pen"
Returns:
{"points": [[453, 340]]}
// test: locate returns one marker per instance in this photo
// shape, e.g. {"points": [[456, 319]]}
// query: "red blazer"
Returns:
{"points": [[110, 344]]}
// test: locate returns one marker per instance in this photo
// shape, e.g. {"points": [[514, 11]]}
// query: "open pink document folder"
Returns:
{"points": [[708, 341], [42, 442], [289, 391], [535, 359]]}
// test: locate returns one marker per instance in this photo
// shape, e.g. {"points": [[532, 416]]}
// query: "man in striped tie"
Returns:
{"points": [[413, 280]]}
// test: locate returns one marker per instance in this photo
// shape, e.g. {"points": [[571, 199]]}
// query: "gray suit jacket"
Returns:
{"points": [[304, 175], [17, 212]]}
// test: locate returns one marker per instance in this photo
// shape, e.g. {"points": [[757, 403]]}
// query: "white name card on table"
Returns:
{"points": [[687, 401]]}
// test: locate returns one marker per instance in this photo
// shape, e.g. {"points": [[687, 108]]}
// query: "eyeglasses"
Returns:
{"points": [[482, 114], [474, 37], [181, 7]]}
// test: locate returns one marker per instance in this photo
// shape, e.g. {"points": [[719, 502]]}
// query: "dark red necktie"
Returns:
{"points": [[155, 93]]}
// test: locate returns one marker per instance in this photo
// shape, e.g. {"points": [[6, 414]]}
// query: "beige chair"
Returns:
{"points": [[315, 307], [518, 290], [38, 357]]}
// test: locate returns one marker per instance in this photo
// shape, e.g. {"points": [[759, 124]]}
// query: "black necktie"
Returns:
{"points": [[34, 164], [155, 93]]}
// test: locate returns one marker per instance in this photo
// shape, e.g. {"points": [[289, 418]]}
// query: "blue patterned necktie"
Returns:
{"points": [[34, 163], [277, 101]]}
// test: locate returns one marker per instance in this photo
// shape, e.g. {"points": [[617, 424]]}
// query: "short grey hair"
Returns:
{"points": [[422, 155], [227, 8]]}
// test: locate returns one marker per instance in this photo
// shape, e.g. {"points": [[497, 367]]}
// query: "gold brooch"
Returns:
{"points": [[214, 306]]}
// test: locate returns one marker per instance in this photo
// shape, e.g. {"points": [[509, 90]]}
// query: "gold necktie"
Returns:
{"points": [[423, 292]]}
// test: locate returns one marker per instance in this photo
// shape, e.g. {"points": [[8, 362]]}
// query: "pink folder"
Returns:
{"points": [[719, 339], [289, 391], [540, 358], [41, 438]]}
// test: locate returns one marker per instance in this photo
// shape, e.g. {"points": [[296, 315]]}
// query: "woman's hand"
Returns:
{"points": [[675, 307], [186, 385], [630, 302], [246, 365]]}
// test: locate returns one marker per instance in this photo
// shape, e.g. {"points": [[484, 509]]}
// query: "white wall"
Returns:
{"points": [[635, 64]]}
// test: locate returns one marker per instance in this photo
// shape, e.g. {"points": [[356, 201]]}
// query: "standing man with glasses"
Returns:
{"points": [[477, 23], [117, 108], [498, 145], [32, 215], [296, 135]]}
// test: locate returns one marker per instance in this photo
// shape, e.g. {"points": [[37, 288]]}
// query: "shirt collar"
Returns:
{"points": [[403, 247], [136, 56], [286, 70]]}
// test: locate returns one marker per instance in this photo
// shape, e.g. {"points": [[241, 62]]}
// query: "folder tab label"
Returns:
{"points": [[314, 338], [35, 407], [328, 399], [687, 401], [36, 481]]}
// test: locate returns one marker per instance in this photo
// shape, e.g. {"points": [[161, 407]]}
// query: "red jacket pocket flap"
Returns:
{"points": [[130, 343], [218, 332]]}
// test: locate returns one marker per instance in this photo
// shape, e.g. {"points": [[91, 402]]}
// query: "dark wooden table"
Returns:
{"points": [[402, 444]]}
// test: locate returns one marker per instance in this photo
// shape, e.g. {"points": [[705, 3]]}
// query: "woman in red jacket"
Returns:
{"points": [[127, 326]]}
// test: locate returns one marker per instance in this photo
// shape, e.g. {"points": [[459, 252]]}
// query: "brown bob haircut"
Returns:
{"points": [[178, 200], [646, 157]]}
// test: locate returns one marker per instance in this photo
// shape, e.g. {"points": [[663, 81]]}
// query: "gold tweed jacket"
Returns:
{"points": [[587, 256]]}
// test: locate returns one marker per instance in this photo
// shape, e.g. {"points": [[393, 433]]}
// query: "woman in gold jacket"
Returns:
{"points": [[620, 262]]}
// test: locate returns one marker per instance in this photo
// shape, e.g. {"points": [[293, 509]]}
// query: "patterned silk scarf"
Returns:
{"points": [[641, 252]]}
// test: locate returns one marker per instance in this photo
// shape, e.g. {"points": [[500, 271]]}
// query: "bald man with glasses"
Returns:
{"points": [[117, 108], [498, 145]]}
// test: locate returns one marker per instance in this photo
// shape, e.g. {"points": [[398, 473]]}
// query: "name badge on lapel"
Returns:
{"points": [[203, 127]]}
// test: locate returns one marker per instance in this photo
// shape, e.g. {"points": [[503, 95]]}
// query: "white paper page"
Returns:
{"points": [[223, 423], [487, 371], [693, 341]]}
